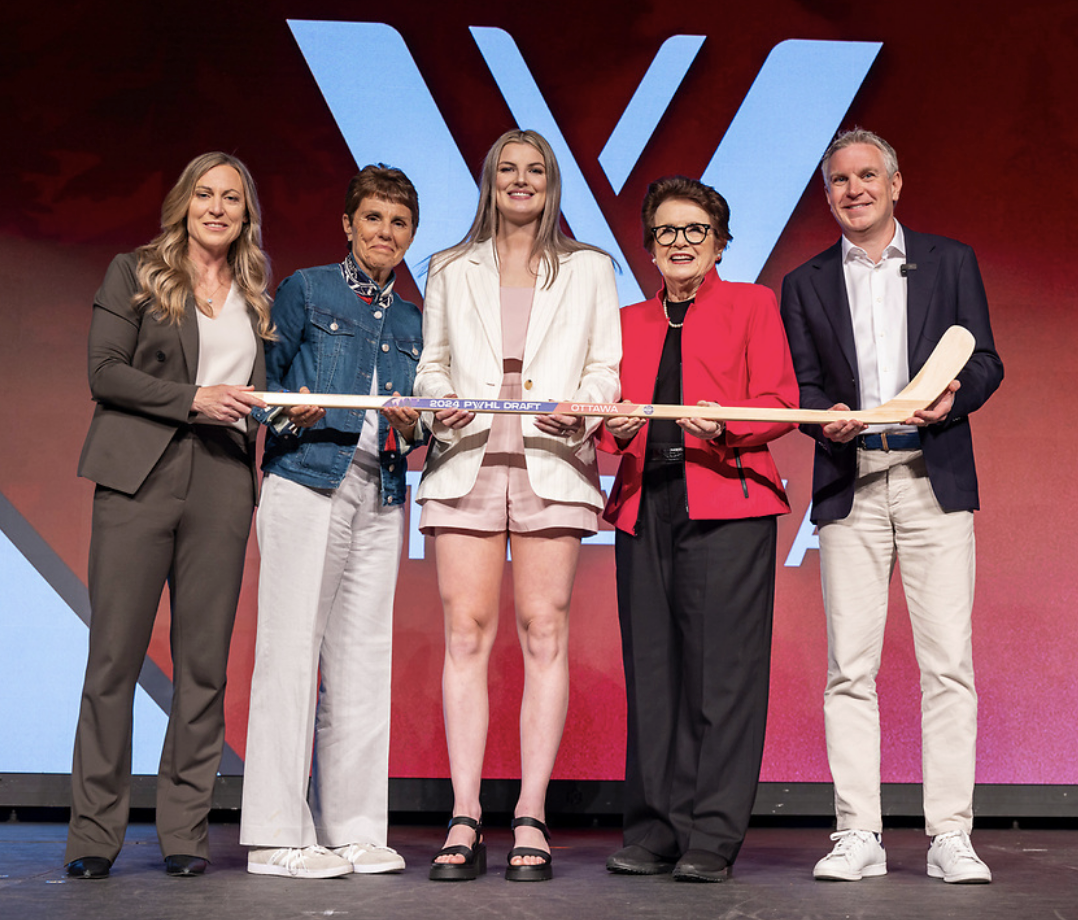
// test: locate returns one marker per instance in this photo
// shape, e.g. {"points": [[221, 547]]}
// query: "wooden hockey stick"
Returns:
{"points": [[948, 358]]}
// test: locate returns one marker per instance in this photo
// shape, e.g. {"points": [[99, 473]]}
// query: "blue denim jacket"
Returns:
{"points": [[330, 341]]}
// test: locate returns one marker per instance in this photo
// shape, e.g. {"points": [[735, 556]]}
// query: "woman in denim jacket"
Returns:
{"points": [[330, 530]]}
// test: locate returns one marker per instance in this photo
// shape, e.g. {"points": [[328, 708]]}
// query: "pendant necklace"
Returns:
{"points": [[209, 299]]}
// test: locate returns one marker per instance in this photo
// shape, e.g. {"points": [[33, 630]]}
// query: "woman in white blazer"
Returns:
{"points": [[516, 310]]}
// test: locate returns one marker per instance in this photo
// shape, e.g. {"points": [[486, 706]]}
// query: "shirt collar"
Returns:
{"points": [[896, 249]]}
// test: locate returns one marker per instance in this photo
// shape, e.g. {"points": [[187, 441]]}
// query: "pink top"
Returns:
{"points": [[505, 432], [502, 497]]}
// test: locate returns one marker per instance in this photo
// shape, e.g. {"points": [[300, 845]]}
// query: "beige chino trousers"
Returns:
{"points": [[895, 517]]}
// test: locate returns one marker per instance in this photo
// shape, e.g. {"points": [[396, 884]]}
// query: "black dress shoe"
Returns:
{"points": [[184, 866], [701, 866], [636, 860], [89, 867]]}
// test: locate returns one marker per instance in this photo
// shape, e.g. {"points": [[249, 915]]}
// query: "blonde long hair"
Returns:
{"points": [[551, 242], [166, 274]]}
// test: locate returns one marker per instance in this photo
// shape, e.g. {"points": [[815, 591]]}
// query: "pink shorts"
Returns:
{"points": [[501, 500]]}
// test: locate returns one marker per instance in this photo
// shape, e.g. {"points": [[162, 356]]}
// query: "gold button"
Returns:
{"points": [[385, 347], [527, 384], [389, 385], [333, 326]]}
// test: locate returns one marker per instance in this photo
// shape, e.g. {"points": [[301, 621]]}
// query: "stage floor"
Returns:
{"points": [[1036, 875]]}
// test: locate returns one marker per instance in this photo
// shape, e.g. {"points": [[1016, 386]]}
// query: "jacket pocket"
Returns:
{"points": [[334, 340], [408, 351]]}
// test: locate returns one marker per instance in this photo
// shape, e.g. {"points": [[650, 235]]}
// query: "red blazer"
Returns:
{"points": [[734, 352]]}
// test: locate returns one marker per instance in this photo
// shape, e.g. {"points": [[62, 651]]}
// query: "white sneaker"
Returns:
{"points": [[297, 862], [952, 858], [857, 855], [371, 859]]}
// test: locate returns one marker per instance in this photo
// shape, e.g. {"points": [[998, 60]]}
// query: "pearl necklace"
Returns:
{"points": [[666, 313]]}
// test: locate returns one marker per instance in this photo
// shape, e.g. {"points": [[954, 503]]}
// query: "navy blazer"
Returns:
{"points": [[945, 289]]}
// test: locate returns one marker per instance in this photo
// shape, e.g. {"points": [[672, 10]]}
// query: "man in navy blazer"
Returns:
{"points": [[861, 318]]}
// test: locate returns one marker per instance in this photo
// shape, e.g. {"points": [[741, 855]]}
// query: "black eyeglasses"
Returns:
{"points": [[666, 235]]}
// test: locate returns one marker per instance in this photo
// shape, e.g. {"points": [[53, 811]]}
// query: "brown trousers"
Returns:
{"points": [[188, 525]]}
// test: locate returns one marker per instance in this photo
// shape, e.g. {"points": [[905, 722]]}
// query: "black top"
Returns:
{"points": [[665, 432]]}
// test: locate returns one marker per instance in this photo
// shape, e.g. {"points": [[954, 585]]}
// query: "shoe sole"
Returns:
{"points": [[383, 869], [454, 872], [529, 873], [936, 872], [699, 877], [283, 872], [622, 869], [868, 872]]}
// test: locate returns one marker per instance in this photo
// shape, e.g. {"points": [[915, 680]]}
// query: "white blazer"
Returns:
{"points": [[572, 352]]}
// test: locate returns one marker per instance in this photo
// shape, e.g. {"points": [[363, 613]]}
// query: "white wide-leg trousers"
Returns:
{"points": [[325, 604]]}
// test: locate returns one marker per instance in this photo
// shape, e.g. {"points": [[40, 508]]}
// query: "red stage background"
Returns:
{"points": [[104, 104]]}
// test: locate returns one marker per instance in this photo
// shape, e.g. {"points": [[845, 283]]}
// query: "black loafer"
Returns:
{"points": [[184, 866], [701, 866], [637, 860], [89, 867]]}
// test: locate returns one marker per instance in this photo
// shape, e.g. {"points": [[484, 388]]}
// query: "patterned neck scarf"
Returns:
{"points": [[366, 289]]}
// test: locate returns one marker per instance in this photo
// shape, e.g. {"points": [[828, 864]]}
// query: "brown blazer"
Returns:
{"points": [[142, 376]]}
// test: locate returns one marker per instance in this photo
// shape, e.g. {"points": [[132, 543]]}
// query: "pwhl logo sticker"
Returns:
{"points": [[767, 156]]}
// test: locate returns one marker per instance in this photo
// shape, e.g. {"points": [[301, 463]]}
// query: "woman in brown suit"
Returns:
{"points": [[175, 351]]}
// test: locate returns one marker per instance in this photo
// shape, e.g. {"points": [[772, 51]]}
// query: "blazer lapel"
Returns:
{"points": [[258, 372], [545, 303], [485, 289], [830, 285], [189, 338], [920, 283]]}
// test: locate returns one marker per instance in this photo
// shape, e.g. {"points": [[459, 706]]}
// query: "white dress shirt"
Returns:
{"points": [[877, 295]]}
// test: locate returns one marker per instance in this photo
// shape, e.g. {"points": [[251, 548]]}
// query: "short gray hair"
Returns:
{"points": [[860, 136]]}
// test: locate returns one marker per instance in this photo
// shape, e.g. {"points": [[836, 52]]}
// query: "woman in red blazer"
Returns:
{"points": [[695, 505]]}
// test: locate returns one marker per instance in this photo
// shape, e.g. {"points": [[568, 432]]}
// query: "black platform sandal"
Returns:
{"points": [[475, 856], [544, 871]]}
